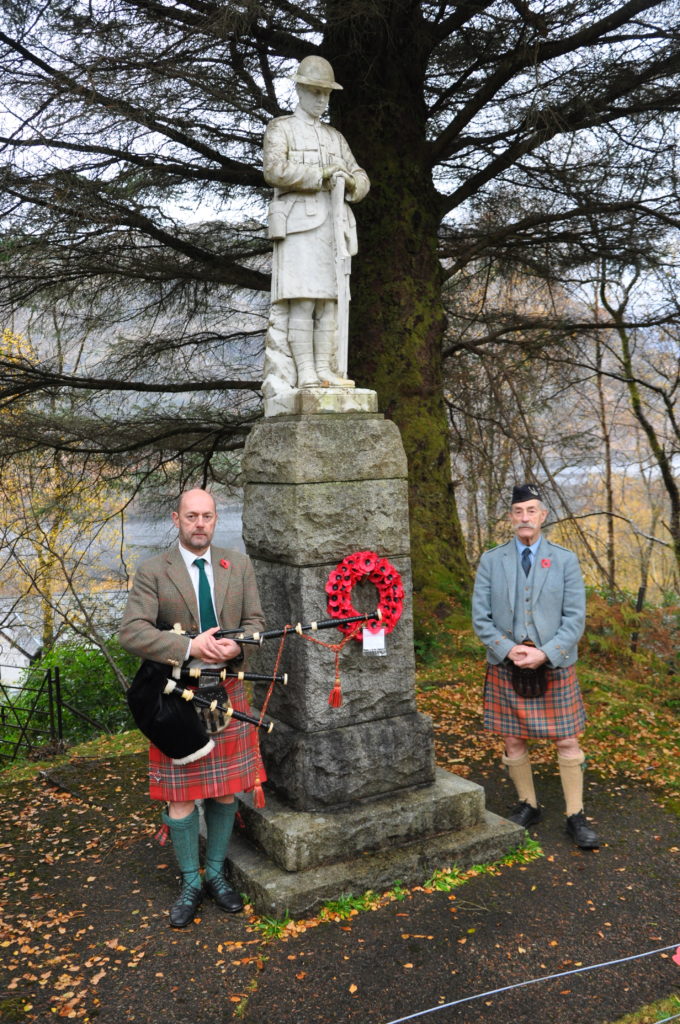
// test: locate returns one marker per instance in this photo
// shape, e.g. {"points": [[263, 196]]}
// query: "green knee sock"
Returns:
{"points": [[184, 834], [219, 822]]}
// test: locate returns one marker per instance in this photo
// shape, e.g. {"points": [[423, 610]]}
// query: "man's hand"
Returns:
{"points": [[527, 657], [207, 648]]}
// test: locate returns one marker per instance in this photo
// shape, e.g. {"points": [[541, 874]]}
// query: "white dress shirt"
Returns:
{"points": [[189, 557]]}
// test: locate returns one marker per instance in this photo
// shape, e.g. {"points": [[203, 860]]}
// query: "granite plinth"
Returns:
{"points": [[297, 841], [406, 858], [323, 449], [319, 521], [322, 770], [354, 799]]}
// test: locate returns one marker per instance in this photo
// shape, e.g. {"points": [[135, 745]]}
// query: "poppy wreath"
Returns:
{"points": [[365, 565]]}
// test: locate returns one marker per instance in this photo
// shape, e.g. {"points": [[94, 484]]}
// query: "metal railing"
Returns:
{"points": [[31, 716]]}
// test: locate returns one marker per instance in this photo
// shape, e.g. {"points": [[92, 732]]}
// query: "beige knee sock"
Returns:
{"points": [[571, 774], [519, 770]]}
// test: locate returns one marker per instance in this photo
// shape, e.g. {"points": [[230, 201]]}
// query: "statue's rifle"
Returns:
{"points": [[342, 270]]}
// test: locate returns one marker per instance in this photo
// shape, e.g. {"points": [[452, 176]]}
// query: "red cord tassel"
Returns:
{"points": [[335, 696], [162, 835], [258, 793]]}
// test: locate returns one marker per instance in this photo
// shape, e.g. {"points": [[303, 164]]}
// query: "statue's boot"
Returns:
{"points": [[324, 345], [300, 339]]}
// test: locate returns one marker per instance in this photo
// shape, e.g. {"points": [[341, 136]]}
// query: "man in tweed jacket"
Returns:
{"points": [[528, 609], [167, 590]]}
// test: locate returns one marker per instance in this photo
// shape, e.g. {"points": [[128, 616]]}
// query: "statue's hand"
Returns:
{"points": [[335, 171]]}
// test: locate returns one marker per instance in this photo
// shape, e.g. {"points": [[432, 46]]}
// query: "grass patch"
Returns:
{"points": [[654, 1013], [449, 879], [131, 742], [271, 927], [348, 905]]}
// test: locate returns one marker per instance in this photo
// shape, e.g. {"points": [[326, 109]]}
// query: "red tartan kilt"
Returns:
{"points": [[234, 766], [557, 714]]}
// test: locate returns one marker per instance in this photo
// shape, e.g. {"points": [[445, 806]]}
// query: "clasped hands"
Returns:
{"points": [[206, 647], [527, 657]]}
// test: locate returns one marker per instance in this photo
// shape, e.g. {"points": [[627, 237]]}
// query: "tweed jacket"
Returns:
{"points": [[558, 605], [162, 594]]}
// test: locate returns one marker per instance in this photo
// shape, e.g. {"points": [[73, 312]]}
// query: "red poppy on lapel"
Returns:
{"points": [[545, 563], [224, 563]]}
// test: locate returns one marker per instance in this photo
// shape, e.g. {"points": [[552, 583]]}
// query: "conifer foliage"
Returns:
{"points": [[496, 133]]}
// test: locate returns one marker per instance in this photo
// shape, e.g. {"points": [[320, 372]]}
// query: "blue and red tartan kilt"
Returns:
{"points": [[558, 713], [233, 766]]}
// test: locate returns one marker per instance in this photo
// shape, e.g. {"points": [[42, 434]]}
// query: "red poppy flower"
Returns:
{"points": [[224, 563], [545, 563]]}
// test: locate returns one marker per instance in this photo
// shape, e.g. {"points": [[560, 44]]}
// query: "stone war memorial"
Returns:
{"points": [[354, 800]]}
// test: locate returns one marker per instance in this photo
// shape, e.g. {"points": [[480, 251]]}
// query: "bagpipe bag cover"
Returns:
{"points": [[170, 722]]}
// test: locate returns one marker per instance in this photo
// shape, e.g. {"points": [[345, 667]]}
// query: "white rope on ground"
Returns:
{"points": [[535, 981], [666, 1019]]}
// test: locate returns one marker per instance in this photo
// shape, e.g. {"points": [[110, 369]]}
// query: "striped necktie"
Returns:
{"points": [[205, 602]]}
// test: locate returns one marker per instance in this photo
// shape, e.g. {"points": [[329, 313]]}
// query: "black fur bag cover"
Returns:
{"points": [[170, 722]]}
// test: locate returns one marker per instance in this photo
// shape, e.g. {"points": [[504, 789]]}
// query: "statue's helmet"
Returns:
{"points": [[315, 71]]}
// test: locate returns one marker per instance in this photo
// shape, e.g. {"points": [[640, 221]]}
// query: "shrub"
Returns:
{"points": [[92, 697]]}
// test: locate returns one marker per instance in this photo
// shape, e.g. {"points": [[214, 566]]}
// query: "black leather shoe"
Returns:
{"points": [[222, 893], [525, 814], [581, 832], [183, 910]]}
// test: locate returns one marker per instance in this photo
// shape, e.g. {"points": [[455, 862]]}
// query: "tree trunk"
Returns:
{"points": [[609, 490], [396, 316]]}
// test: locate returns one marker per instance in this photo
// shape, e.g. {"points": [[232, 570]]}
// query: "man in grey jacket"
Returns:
{"points": [[528, 609]]}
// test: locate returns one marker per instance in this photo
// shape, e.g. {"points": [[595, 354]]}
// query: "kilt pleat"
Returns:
{"points": [[233, 766], [557, 714]]}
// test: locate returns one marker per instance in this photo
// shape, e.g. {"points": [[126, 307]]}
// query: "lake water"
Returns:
{"points": [[145, 535]]}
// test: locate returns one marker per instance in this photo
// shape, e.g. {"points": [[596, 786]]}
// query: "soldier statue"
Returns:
{"points": [[315, 177]]}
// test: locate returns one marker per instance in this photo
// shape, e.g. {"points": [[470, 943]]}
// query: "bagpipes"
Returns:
{"points": [[165, 711], [271, 634]]}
